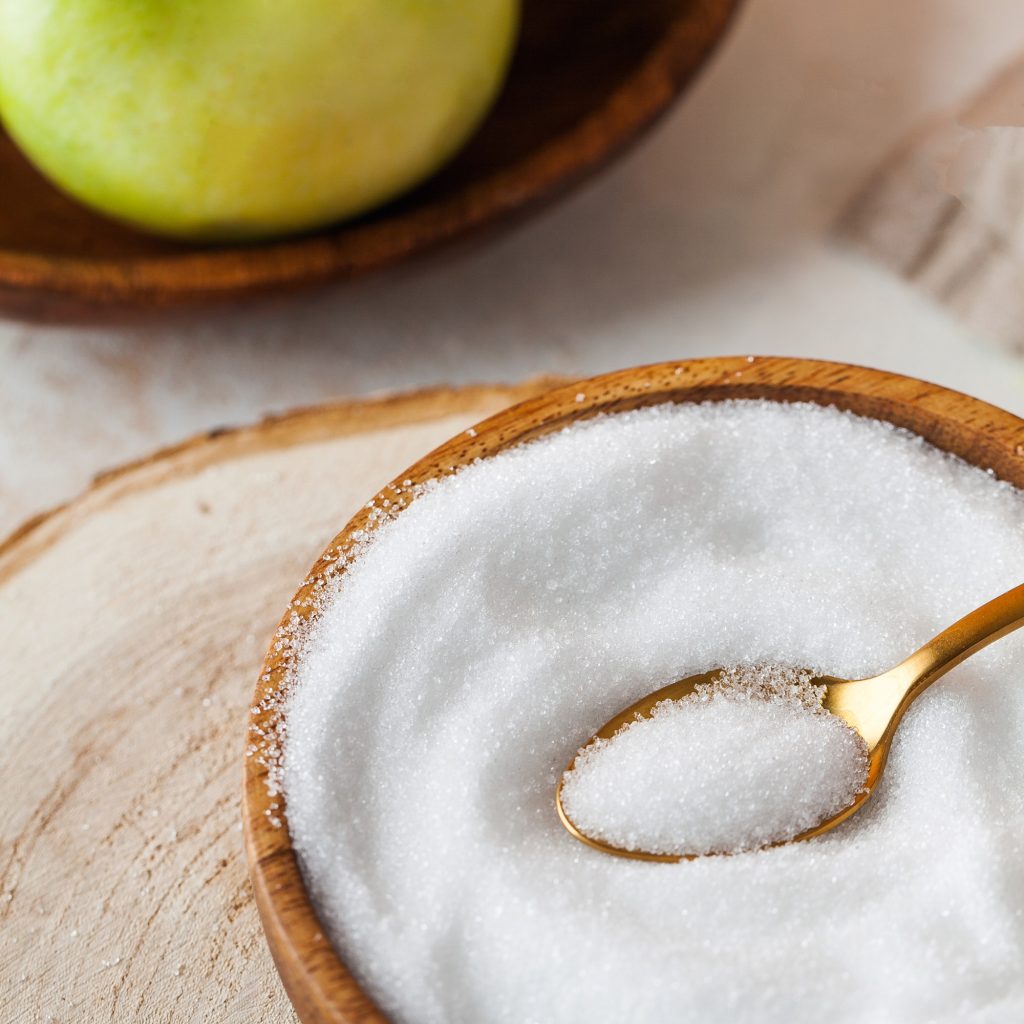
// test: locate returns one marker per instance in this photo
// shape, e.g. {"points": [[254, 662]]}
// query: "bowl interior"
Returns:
{"points": [[586, 77], [315, 977]]}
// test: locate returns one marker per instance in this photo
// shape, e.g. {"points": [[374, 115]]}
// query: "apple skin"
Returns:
{"points": [[238, 119]]}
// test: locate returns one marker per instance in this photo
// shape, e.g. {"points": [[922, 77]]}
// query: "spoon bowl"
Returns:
{"points": [[872, 707]]}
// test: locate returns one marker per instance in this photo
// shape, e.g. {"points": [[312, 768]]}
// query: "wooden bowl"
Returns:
{"points": [[587, 77], [320, 986]]}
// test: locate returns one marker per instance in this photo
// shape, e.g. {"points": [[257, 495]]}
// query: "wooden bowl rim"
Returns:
{"points": [[353, 248], [319, 984]]}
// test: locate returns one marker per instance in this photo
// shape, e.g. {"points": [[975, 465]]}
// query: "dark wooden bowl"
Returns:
{"points": [[587, 77], [320, 986]]}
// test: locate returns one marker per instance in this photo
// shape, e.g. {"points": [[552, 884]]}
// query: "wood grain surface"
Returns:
{"points": [[132, 624], [321, 988], [587, 77], [946, 210]]}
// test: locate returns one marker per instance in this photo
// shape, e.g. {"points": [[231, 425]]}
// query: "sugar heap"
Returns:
{"points": [[748, 760], [512, 609]]}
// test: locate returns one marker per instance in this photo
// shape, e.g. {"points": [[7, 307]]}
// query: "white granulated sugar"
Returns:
{"points": [[723, 770], [512, 609]]}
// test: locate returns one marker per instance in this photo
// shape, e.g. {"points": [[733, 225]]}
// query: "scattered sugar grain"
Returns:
{"points": [[749, 760], [445, 684]]}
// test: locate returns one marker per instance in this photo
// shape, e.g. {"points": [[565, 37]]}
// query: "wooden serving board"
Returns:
{"points": [[133, 622], [945, 211]]}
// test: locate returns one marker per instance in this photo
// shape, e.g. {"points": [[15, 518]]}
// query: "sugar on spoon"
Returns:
{"points": [[871, 707]]}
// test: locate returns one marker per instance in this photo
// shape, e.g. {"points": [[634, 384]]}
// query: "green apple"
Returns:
{"points": [[229, 119]]}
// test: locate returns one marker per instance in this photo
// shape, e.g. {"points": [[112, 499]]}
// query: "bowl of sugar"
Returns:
{"points": [[482, 616]]}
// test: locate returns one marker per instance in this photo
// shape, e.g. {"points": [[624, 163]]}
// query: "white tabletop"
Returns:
{"points": [[713, 237]]}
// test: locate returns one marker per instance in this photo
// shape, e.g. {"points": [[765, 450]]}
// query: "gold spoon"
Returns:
{"points": [[872, 707]]}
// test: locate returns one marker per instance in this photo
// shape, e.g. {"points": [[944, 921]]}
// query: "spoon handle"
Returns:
{"points": [[976, 630]]}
